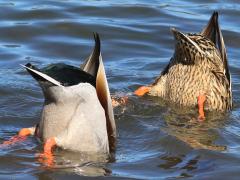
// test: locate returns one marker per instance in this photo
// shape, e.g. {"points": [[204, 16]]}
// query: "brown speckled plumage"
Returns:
{"points": [[199, 66]]}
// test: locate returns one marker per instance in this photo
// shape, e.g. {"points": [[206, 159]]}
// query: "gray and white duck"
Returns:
{"points": [[77, 113]]}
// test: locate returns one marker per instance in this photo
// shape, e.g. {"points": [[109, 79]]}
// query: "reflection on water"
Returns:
{"points": [[80, 163], [187, 167], [156, 140], [197, 134]]}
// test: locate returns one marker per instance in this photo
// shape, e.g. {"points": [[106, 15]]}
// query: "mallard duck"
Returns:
{"points": [[77, 113], [197, 73]]}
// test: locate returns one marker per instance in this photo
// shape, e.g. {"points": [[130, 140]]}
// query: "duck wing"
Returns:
{"points": [[91, 64], [94, 65], [213, 32], [60, 74], [187, 50], [39, 76], [105, 99]]}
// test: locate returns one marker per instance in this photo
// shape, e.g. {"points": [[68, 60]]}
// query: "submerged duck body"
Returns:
{"points": [[77, 113], [198, 68]]}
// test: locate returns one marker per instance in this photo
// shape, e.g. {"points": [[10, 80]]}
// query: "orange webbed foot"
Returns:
{"points": [[201, 100], [142, 90]]}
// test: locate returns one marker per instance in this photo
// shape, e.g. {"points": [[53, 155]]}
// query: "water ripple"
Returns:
{"points": [[156, 139]]}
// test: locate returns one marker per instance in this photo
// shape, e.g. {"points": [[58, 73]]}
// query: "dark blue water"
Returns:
{"points": [[156, 140]]}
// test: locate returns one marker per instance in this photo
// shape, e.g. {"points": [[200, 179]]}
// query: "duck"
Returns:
{"points": [[77, 113], [197, 74]]}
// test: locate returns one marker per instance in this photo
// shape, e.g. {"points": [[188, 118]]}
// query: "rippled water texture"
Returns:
{"points": [[156, 139]]}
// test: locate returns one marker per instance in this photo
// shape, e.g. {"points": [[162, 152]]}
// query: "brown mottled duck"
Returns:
{"points": [[198, 73]]}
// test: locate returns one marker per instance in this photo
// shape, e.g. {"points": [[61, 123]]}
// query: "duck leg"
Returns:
{"points": [[201, 100], [142, 90], [47, 157], [49, 145], [22, 135]]}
